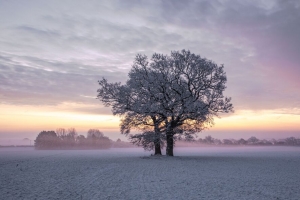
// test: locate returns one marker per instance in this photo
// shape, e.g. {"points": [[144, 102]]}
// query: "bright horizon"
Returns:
{"points": [[263, 124], [52, 54]]}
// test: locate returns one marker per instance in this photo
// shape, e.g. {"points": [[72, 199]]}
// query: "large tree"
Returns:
{"points": [[151, 134], [134, 107], [183, 90]]}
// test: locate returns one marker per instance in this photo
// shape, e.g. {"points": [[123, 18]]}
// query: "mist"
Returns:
{"points": [[115, 99], [127, 173]]}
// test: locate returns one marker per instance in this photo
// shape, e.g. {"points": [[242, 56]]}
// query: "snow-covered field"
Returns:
{"points": [[194, 173]]}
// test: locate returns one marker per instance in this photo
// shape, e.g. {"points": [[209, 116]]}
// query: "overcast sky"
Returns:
{"points": [[53, 52]]}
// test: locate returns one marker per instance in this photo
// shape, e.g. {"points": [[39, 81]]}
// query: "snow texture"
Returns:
{"points": [[195, 173]]}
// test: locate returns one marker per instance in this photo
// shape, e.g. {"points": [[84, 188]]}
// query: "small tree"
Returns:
{"points": [[46, 140], [208, 140], [242, 141], [96, 139], [291, 141], [95, 132], [71, 136], [252, 140], [81, 140], [227, 142], [61, 133]]}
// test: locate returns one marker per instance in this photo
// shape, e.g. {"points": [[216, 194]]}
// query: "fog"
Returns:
{"points": [[132, 173]]}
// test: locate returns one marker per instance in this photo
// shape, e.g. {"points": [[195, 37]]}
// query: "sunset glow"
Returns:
{"points": [[50, 61], [264, 120], [32, 119]]}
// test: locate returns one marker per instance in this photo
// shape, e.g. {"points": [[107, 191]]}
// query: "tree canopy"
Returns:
{"points": [[180, 93]]}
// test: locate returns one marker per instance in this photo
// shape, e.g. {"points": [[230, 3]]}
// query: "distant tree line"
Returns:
{"points": [[290, 141], [122, 144], [69, 139]]}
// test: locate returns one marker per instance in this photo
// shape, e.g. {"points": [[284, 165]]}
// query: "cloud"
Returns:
{"points": [[23, 81], [53, 52]]}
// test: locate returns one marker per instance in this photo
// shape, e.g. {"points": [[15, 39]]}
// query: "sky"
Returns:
{"points": [[52, 53]]}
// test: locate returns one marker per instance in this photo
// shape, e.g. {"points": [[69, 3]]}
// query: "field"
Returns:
{"points": [[194, 173]]}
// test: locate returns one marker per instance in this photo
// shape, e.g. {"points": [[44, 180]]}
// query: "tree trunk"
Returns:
{"points": [[157, 147], [170, 144], [157, 139]]}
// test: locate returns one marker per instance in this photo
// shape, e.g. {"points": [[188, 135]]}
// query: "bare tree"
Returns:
{"points": [[61, 132], [252, 140], [96, 139], [291, 141], [67, 137], [95, 132], [72, 133], [81, 140], [152, 136], [186, 91], [242, 141], [134, 108], [70, 139], [183, 90], [208, 140]]}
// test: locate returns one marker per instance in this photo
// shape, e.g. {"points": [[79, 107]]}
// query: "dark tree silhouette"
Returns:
{"points": [[152, 136], [81, 140], [183, 90], [136, 112], [96, 139], [46, 140], [252, 140], [242, 141], [94, 132], [68, 139]]}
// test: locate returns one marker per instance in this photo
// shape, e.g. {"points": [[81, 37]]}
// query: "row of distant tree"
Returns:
{"points": [[95, 139], [290, 141], [69, 139]]}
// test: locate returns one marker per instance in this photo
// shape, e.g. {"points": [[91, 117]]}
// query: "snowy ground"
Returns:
{"points": [[195, 173]]}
